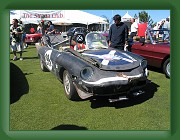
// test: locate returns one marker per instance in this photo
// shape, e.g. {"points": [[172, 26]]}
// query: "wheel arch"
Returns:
{"points": [[165, 58], [62, 69]]}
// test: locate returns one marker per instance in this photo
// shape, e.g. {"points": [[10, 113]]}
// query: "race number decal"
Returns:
{"points": [[48, 59]]}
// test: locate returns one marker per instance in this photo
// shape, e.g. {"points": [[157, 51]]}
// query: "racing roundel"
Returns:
{"points": [[79, 38], [111, 58], [48, 59]]}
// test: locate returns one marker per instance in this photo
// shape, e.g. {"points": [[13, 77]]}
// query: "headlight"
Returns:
{"points": [[143, 63], [86, 73]]}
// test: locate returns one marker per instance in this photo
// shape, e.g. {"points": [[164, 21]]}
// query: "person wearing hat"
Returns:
{"points": [[118, 34]]}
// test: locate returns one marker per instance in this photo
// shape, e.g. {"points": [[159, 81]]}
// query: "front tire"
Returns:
{"points": [[166, 68], [69, 88]]}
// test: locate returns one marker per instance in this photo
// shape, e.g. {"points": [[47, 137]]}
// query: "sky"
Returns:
{"points": [[156, 15]]}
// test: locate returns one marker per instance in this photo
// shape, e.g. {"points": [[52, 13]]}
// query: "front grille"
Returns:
{"points": [[116, 89]]}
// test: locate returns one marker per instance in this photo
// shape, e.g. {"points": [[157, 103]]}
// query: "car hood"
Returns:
{"points": [[112, 59]]}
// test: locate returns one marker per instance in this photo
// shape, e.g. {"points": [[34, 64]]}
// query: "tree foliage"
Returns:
{"points": [[145, 17], [135, 16]]}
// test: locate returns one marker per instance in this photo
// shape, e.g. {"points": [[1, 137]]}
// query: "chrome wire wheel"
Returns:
{"points": [[168, 69], [41, 64], [67, 84], [69, 88]]}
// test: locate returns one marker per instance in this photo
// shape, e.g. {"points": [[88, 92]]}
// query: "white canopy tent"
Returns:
{"points": [[57, 17], [77, 16], [126, 17]]}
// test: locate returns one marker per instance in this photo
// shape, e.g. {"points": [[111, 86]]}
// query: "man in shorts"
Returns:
{"points": [[16, 32]]}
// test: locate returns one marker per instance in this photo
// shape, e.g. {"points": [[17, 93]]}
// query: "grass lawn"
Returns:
{"points": [[37, 102]]}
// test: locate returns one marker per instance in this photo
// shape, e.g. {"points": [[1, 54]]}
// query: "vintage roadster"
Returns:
{"points": [[95, 69], [155, 50]]}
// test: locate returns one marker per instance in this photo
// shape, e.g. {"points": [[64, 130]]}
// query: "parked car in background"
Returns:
{"points": [[155, 50], [33, 38], [36, 37], [95, 70], [76, 30]]}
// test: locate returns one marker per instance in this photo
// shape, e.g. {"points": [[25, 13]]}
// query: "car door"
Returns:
{"points": [[150, 51]]}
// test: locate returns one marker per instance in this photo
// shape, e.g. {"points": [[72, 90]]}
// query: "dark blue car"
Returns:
{"points": [[96, 70]]}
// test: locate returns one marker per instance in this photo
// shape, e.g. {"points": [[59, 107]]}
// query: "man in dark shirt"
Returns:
{"points": [[51, 29], [118, 34]]}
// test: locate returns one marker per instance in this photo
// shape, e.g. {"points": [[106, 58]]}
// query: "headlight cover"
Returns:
{"points": [[86, 73], [143, 63]]}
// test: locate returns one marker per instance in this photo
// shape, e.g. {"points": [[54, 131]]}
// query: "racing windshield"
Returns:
{"points": [[96, 41], [158, 36]]}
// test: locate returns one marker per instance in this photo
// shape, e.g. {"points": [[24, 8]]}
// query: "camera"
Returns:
{"points": [[13, 34], [18, 30]]}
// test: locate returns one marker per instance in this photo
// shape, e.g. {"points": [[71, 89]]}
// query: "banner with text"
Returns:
{"points": [[41, 14]]}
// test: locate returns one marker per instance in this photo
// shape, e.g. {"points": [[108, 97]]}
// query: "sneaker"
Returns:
{"points": [[15, 58], [21, 58]]}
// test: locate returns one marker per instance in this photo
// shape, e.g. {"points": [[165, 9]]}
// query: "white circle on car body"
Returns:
{"points": [[48, 61]]}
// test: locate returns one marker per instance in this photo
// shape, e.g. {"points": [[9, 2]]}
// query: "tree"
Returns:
{"points": [[144, 17], [135, 16], [106, 20]]}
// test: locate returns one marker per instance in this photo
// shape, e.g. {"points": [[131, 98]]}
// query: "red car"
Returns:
{"points": [[156, 51], [33, 38]]}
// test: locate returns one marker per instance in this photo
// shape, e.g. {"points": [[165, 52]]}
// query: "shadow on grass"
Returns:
{"points": [[24, 58], [30, 57], [18, 83], [158, 70], [150, 89], [32, 47], [69, 127]]}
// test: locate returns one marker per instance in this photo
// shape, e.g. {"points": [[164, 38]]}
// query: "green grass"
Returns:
{"points": [[42, 105]]}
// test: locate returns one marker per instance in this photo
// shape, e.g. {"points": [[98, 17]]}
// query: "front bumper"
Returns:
{"points": [[115, 87], [109, 88]]}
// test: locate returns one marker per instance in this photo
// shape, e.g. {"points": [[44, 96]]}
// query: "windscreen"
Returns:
{"points": [[96, 41]]}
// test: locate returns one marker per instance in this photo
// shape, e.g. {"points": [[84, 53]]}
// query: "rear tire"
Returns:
{"points": [[69, 88], [166, 68]]}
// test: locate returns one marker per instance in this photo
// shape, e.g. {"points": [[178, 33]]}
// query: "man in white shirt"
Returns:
{"points": [[134, 28], [166, 27]]}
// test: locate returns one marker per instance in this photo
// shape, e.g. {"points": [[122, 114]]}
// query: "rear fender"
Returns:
{"points": [[165, 58]]}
